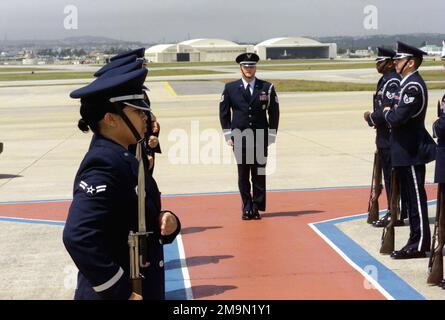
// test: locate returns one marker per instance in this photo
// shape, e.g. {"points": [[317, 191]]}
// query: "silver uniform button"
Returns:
{"points": [[250, 116], [250, 123], [161, 263], [126, 154]]}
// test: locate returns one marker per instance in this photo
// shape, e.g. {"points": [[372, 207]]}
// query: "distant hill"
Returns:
{"points": [[363, 42], [343, 42], [83, 41]]}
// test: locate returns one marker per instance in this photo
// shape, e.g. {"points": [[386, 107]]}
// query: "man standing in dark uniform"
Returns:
{"points": [[411, 147], [387, 88], [439, 132], [439, 176], [249, 115]]}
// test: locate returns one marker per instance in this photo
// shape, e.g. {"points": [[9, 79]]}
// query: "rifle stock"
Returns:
{"points": [[435, 263], [135, 275], [388, 235], [376, 190]]}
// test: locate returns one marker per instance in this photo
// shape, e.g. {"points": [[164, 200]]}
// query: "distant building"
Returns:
{"points": [[164, 53], [432, 50], [216, 49], [196, 50], [359, 53], [29, 58], [295, 48]]}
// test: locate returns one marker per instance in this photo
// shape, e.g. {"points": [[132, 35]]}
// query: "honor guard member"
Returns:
{"points": [[387, 88], [411, 147], [249, 115], [115, 64], [135, 60], [140, 53], [105, 196], [439, 133]]}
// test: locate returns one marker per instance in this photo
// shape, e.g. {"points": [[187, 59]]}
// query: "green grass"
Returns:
{"points": [[46, 76], [433, 86], [334, 66], [18, 69], [325, 66], [88, 75], [232, 63], [320, 86], [180, 72], [309, 64], [433, 75]]}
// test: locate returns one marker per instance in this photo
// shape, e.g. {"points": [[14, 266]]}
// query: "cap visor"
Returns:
{"points": [[138, 104], [379, 59], [402, 55]]}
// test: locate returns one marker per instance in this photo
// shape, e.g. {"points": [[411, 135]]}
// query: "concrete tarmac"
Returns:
{"points": [[323, 141]]}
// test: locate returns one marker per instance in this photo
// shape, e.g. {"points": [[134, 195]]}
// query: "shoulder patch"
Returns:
{"points": [[390, 95], [407, 99], [222, 98]]}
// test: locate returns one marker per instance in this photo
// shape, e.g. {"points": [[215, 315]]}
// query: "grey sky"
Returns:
{"points": [[245, 21]]}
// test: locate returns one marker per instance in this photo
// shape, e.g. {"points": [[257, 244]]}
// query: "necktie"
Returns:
{"points": [[248, 94]]}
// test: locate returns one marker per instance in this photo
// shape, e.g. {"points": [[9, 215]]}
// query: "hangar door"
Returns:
{"points": [[183, 57], [298, 53]]}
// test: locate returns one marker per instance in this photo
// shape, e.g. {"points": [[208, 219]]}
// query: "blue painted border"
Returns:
{"points": [[33, 221], [391, 282], [174, 279]]}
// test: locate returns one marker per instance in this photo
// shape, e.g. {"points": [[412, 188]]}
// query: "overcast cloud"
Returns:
{"points": [[242, 21]]}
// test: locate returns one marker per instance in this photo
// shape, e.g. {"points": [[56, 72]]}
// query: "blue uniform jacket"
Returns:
{"points": [[103, 211], [238, 112], [387, 88], [411, 144], [439, 132]]}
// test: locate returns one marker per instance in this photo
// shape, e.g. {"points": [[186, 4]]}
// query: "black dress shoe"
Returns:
{"points": [[382, 222], [408, 254], [399, 223], [256, 215], [442, 284], [246, 215]]}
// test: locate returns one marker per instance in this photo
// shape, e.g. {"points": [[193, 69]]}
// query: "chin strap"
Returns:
{"points": [[122, 114], [244, 75], [404, 66]]}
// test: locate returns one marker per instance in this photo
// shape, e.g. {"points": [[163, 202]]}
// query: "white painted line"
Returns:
{"points": [[184, 269], [350, 262]]}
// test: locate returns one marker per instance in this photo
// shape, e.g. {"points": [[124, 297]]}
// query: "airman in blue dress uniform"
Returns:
{"points": [[249, 116], [387, 88], [126, 62], [439, 133], [411, 147], [105, 195]]}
